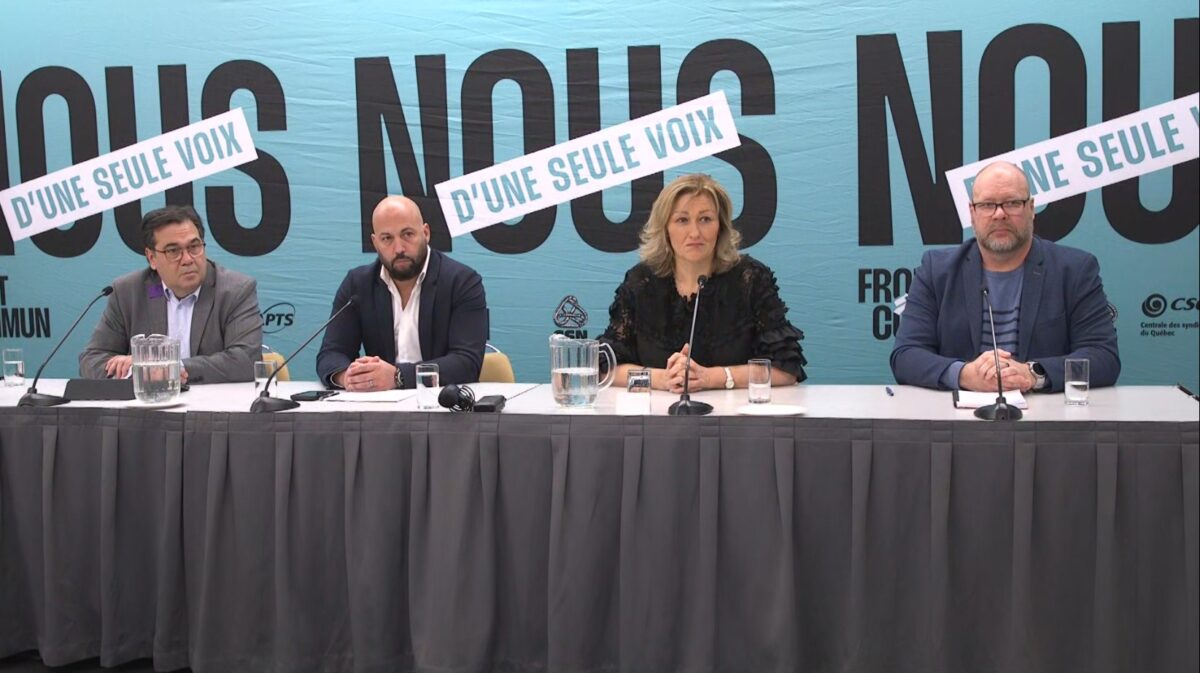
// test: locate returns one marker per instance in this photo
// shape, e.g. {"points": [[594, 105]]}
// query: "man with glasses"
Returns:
{"points": [[1047, 299], [211, 310]]}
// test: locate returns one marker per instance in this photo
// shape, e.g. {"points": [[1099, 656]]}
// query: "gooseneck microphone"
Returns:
{"points": [[35, 399], [685, 406], [264, 403], [1000, 410]]}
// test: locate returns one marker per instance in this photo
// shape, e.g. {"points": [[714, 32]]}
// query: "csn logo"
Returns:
{"points": [[1156, 305], [570, 318], [278, 317]]}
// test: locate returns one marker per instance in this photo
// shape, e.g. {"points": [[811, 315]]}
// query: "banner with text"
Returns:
{"points": [[597, 161], [128, 174], [1143, 142]]}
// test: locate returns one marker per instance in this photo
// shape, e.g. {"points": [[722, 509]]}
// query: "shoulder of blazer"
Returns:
{"points": [[225, 277]]}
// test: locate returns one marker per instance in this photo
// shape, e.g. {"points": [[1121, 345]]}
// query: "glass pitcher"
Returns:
{"points": [[575, 370], [156, 368]]}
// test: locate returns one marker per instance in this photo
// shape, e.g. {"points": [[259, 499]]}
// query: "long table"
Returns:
{"points": [[871, 533]]}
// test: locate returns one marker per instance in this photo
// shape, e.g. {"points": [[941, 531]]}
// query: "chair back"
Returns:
{"points": [[497, 368], [277, 358]]}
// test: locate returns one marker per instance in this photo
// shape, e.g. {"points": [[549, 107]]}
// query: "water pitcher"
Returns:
{"points": [[575, 370], [156, 368]]}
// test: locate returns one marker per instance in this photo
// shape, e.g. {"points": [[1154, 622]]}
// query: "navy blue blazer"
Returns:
{"points": [[452, 327], [1064, 313]]}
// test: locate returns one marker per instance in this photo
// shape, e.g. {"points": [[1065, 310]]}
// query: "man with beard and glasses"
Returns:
{"points": [[413, 305], [1048, 302]]}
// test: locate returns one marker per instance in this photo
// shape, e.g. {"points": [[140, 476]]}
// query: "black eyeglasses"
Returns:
{"points": [[175, 253], [1012, 207]]}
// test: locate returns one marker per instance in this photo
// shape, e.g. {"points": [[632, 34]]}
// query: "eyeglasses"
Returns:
{"points": [[1013, 207], [175, 253]]}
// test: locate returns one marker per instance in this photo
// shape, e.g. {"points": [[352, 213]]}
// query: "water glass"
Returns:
{"points": [[263, 370], [1076, 372], [760, 380], [638, 381], [14, 367], [427, 386]]}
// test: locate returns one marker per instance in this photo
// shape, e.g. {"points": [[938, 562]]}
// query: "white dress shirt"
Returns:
{"points": [[179, 319], [406, 318]]}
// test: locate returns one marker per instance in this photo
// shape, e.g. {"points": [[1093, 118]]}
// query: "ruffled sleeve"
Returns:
{"points": [[621, 333], [778, 339]]}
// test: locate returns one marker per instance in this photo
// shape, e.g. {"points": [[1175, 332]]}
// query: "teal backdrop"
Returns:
{"points": [[850, 113]]}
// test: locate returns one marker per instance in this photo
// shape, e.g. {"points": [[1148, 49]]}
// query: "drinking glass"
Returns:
{"points": [[14, 367], [760, 380], [1076, 372], [427, 386], [638, 381], [263, 370]]}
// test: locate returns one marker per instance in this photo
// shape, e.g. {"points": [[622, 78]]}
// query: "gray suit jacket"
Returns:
{"points": [[226, 325]]}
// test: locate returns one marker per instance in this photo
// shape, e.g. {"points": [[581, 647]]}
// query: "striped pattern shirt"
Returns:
{"points": [[1004, 292]]}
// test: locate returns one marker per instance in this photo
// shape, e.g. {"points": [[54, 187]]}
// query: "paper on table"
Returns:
{"points": [[966, 399], [381, 396]]}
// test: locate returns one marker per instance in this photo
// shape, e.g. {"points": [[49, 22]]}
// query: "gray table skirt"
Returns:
{"points": [[431, 542]]}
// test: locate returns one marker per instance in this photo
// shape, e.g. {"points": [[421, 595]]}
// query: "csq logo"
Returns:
{"points": [[1156, 305], [278, 317]]}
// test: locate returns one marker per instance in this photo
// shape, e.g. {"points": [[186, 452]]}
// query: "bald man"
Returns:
{"points": [[413, 305], [1048, 301]]}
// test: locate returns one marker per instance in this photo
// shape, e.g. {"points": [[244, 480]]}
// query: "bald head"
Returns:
{"points": [[397, 208], [1000, 171]]}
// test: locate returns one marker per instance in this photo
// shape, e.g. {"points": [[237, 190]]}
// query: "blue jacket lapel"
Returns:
{"points": [[1031, 297], [970, 279]]}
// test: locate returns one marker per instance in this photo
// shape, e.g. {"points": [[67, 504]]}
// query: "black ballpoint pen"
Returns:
{"points": [[888, 390], [1187, 392]]}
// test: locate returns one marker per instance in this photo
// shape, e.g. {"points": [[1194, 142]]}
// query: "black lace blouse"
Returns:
{"points": [[741, 317]]}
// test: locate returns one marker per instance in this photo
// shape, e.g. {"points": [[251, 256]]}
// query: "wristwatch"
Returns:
{"points": [[399, 380], [728, 379], [1039, 375]]}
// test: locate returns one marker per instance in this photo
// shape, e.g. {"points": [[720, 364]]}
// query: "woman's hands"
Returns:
{"points": [[699, 376]]}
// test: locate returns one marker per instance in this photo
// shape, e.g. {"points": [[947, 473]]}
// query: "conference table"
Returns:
{"points": [[865, 531]]}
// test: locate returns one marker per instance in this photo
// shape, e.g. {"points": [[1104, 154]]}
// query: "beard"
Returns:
{"points": [[1018, 237], [410, 271]]}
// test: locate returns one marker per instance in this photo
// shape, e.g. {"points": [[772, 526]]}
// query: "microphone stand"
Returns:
{"points": [[264, 403], [33, 398], [685, 406], [1000, 410]]}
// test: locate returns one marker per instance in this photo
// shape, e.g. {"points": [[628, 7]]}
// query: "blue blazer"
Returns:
{"points": [[452, 327], [1064, 313]]}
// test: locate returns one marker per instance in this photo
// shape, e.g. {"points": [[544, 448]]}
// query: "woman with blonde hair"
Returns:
{"points": [[690, 234]]}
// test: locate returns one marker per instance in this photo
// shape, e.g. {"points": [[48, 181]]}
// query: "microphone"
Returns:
{"points": [[685, 406], [999, 411], [457, 398], [266, 403], [462, 398], [35, 399]]}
